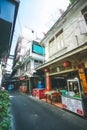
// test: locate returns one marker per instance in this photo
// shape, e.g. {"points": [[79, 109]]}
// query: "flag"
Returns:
{"points": [[44, 33], [5, 59]]}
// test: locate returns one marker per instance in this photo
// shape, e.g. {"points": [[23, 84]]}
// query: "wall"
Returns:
{"points": [[71, 36]]}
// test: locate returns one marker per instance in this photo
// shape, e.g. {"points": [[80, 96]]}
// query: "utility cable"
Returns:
{"points": [[20, 27]]}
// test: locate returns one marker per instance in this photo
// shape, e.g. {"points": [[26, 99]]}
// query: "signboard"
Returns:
{"points": [[73, 105], [83, 79], [38, 49]]}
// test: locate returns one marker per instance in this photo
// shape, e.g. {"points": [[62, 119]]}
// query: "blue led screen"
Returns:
{"points": [[38, 49]]}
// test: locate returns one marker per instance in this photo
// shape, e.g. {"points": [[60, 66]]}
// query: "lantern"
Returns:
{"points": [[66, 64], [46, 70], [81, 65]]}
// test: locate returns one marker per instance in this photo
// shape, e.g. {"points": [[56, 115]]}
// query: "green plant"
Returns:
{"points": [[4, 110], [72, 1]]}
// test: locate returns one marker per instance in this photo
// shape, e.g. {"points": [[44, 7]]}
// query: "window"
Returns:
{"points": [[83, 21], [37, 63], [84, 12], [28, 66], [52, 46], [59, 40], [51, 40], [56, 43], [25, 68]]}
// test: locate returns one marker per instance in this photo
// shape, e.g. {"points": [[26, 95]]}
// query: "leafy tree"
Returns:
{"points": [[72, 1], [19, 64]]}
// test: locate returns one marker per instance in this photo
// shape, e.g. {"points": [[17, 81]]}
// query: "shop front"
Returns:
{"points": [[31, 83], [60, 74], [74, 98], [69, 90], [38, 86], [58, 87], [23, 84]]}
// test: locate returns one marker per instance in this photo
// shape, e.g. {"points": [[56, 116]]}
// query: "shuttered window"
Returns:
{"points": [[83, 21]]}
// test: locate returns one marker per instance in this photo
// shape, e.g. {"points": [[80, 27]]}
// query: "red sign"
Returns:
{"points": [[64, 106], [80, 112]]}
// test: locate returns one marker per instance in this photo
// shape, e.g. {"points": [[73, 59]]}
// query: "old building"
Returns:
{"points": [[8, 15], [65, 53], [66, 42], [29, 54]]}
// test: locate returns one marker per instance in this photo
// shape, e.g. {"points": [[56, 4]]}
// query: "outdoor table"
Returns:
{"points": [[51, 94]]}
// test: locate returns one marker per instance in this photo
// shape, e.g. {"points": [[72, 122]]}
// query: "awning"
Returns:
{"points": [[62, 72]]}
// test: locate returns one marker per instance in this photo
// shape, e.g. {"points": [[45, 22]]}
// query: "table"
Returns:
{"points": [[53, 93]]}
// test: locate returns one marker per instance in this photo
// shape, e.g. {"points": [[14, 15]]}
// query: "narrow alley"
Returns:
{"points": [[30, 113]]}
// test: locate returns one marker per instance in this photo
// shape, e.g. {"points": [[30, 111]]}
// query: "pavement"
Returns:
{"points": [[30, 113]]}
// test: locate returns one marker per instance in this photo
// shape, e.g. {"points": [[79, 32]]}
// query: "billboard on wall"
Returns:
{"points": [[38, 49]]}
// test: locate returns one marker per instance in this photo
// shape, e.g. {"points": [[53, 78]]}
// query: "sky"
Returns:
{"points": [[39, 15]]}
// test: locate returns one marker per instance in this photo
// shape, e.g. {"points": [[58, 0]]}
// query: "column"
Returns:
{"points": [[48, 81]]}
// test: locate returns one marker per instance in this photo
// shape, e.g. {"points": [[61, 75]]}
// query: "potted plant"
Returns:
{"points": [[4, 110]]}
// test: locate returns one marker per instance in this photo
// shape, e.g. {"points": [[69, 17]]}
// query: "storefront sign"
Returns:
{"points": [[83, 79], [73, 105]]}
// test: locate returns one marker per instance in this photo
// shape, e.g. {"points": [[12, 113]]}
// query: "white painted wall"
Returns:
{"points": [[71, 37]]}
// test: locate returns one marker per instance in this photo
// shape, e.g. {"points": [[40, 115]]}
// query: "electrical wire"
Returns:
{"points": [[20, 27]]}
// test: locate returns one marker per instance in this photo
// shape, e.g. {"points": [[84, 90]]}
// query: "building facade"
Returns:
{"points": [[8, 15], [29, 54], [66, 47], [65, 66], [7, 24]]}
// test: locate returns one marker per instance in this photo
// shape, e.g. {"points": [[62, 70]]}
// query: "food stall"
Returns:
{"points": [[74, 98]]}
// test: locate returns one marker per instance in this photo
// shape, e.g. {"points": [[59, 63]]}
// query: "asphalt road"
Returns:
{"points": [[33, 114]]}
